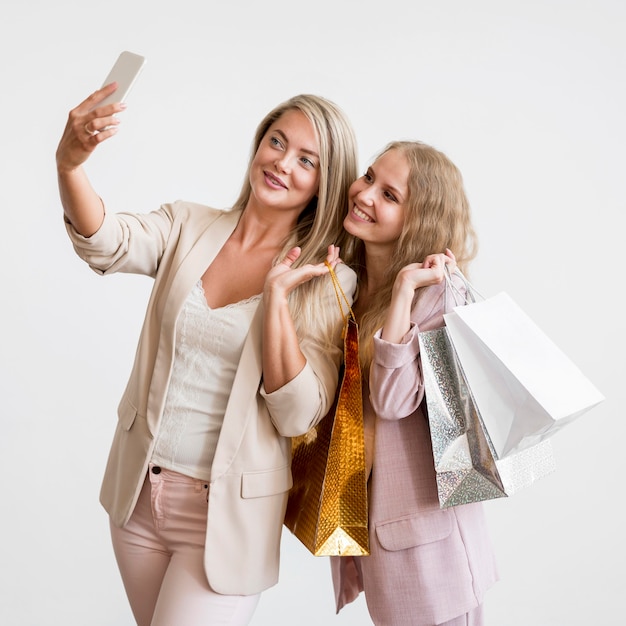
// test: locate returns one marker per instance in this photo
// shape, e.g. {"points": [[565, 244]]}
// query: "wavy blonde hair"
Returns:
{"points": [[437, 217], [321, 222]]}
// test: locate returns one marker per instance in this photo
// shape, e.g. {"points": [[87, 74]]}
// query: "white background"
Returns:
{"points": [[526, 97]]}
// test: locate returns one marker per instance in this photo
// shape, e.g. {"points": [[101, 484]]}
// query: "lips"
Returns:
{"points": [[361, 215], [274, 181]]}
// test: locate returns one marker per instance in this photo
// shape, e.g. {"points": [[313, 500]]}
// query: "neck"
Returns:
{"points": [[262, 230], [373, 279], [377, 261]]}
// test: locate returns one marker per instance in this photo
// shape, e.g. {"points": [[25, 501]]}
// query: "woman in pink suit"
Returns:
{"points": [[428, 566]]}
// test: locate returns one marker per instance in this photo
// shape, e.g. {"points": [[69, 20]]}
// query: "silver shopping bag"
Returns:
{"points": [[466, 464]]}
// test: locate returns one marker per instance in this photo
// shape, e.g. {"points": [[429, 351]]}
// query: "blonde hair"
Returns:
{"points": [[437, 217], [321, 222]]}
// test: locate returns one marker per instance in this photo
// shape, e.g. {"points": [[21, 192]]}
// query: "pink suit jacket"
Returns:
{"points": [[427, 565]]}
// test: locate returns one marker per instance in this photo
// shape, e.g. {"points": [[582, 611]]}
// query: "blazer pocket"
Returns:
{"points": [[270, 483], [126, 414], [413, 531]]}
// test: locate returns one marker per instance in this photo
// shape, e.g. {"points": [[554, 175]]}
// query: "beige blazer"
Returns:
{"points": [[250, 475]]}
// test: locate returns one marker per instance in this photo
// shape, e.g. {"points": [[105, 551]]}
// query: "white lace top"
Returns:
{"points": [[208, 348]]}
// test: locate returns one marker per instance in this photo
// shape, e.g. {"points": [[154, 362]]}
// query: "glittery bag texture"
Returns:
{"points": [[467, 467], [327, 505]]}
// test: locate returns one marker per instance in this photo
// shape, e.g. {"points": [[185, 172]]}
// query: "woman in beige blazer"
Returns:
{"points": [[239, 351], [428, 566]]}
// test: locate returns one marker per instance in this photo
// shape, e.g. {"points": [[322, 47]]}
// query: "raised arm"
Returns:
{"points": [[410, 278], [396, 388], [87, 127], [282, 357]]}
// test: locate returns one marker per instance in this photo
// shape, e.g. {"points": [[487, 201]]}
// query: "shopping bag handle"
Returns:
{"points": [[340, 294], [470, 294]]}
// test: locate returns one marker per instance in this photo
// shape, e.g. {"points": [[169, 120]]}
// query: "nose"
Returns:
{"points": [[365, 195], [282, 163]]}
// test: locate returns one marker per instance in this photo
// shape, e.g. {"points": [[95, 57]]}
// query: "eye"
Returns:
{"points": [[307, 162], [389, 196], [274, 141], [368, 178]]}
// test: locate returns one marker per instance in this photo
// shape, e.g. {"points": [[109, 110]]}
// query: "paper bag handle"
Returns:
{"points": [[470, 291], [340, 294]]}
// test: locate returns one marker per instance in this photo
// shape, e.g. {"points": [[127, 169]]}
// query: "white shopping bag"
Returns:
{"points": [[523, 384]]}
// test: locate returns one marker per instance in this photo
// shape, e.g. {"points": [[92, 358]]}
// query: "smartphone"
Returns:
{"points": [[124, 72]]}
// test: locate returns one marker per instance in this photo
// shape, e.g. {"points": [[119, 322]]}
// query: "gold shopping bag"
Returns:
{"points": [[327, 506]]}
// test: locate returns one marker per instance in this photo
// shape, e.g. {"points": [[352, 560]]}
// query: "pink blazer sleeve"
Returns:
{"points": [[396, 381]]}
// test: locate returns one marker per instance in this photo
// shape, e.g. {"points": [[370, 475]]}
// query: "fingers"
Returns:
{"points": [[439, 260], [310, 270], [292, 256], [92, 101], [333, 257], [96, 125], [450, 261], [87, 126], [450, 255], [431, 271], [84, 132], [89, 119], [283, 278], [434, 261]]}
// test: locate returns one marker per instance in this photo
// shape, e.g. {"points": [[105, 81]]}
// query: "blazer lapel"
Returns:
{"points": [[199, 257], [179, 282]]}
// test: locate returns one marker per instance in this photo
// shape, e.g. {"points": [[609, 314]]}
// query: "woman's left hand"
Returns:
{"points": [[282, 356], [283, 278]]}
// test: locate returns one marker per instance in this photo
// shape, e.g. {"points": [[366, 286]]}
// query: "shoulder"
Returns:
{"points": [[435, 300], [445, 295], [184, 210], [347, 278]]}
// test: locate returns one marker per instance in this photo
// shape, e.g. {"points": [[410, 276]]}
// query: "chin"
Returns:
{"points": [[351, 225]]}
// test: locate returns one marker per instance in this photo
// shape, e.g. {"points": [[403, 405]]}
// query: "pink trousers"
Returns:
{"points": [[160, 554]]}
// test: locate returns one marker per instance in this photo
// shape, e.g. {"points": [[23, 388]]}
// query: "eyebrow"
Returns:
{"points": [[311, 152]]}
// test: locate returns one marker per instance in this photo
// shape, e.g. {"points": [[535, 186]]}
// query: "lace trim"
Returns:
{"points": [[208, 347], [230, 305]]}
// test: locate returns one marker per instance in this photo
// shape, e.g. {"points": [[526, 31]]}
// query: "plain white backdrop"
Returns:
{"points": [[526, 97]]}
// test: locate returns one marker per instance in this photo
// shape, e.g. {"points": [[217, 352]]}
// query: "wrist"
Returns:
{"points": [[274, 297], [403, 289], [67, 171]]}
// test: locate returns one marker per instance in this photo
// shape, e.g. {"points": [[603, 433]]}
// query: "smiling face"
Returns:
{"points": [[378, 201], [284, 173]]}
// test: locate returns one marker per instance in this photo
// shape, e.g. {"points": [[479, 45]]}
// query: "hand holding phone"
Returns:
{"points": [[124, 72]]}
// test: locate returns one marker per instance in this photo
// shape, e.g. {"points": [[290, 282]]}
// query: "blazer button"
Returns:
{"points": [[156, 469]]}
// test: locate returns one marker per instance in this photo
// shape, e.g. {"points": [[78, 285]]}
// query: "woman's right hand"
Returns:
{"points": [[430, 272], [87, 126]]}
